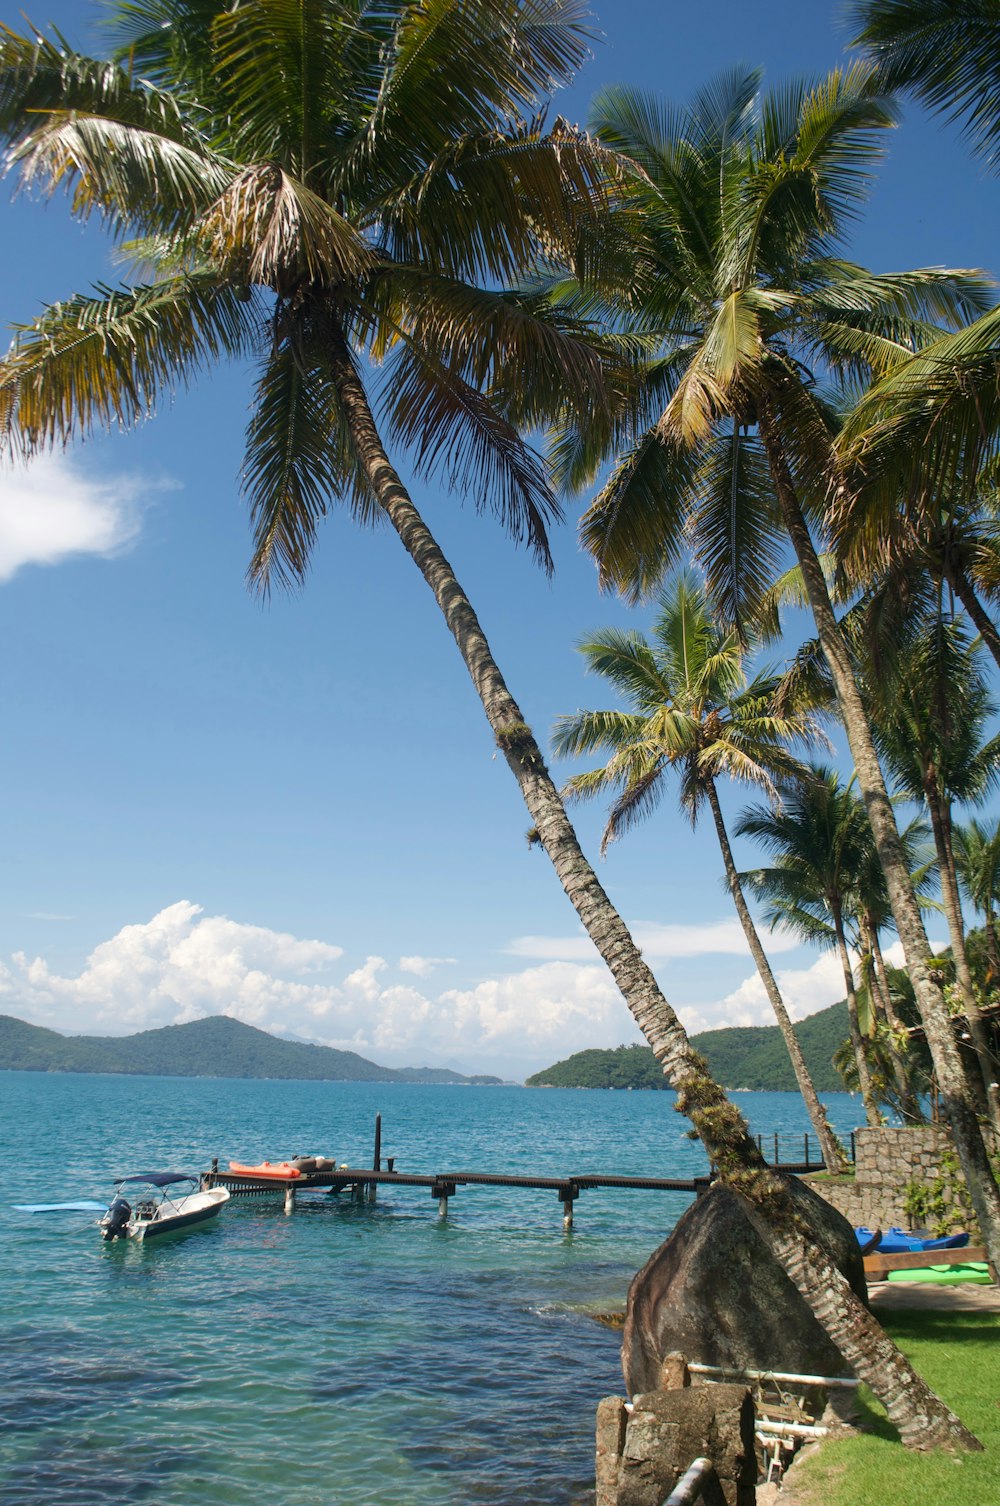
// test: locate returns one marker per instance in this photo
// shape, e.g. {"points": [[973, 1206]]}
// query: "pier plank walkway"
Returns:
{"points": [[363, 1182]]}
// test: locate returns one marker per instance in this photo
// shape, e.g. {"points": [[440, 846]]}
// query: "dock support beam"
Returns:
{"points": [[568, 1196], [289, 1199], [443, 1191]]}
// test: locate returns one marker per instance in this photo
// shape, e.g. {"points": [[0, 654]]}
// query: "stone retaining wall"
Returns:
{"points": [[887, 1160]]}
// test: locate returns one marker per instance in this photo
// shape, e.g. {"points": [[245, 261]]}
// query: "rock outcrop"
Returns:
{"points": [[714, 1292]]}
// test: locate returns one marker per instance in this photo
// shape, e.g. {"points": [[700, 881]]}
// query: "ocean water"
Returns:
{"points": [[350, 1353]]}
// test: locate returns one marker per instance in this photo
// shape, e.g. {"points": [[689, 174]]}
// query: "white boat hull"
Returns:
{"points": [[151, 1220], [175, 1214]]}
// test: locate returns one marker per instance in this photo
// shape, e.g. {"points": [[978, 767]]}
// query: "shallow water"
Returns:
{"points": [[352, 1352]]}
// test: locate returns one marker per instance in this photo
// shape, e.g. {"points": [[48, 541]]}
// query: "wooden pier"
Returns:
{"points": [[362, 1182]]}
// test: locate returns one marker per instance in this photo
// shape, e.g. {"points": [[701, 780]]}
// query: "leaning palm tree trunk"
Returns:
{"points": [[954, 1090], [922, 1418], [981, 619], [833, 1152], [941, 828]]}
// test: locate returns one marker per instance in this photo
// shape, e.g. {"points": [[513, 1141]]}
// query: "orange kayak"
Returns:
{"points": [[281, 1169]]}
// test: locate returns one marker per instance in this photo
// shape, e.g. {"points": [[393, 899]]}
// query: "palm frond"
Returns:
{"points": [[455, 431], [634, 526], [92, 362], [270, 229], [946, 52], [298, 461]]}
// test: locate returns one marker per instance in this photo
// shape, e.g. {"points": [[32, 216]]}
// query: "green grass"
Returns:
{"points": [[958, 1354]]}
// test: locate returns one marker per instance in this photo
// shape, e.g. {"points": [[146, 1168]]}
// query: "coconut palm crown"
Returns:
{"points": [[305, 184], [692, 709]]}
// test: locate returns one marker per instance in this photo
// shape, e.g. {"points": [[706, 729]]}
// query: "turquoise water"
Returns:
{"points": [[352, 1352]]}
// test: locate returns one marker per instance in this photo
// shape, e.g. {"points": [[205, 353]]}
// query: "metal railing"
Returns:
{"points": [[783, 1148], [692, 1483]]}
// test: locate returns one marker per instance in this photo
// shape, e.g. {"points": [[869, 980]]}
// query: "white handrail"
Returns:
{"points": [[841, 1382]]}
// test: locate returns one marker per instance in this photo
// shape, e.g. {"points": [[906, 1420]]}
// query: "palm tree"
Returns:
{"points": [[977, 861], [930, 718], [723, 274], [692, 710], [817, 839], [946, 51], [874, 915], [314, 183]]}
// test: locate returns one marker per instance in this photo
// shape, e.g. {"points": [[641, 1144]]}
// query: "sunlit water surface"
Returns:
{"points": [[348, 1353]]}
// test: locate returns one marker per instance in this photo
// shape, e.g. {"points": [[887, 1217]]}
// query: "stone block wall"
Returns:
{"points": [[887, 1161], [644, 1449]]}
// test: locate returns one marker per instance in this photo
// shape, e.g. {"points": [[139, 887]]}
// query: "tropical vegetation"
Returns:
{"points": [[364, 204], [694, 710], [726, 270]]}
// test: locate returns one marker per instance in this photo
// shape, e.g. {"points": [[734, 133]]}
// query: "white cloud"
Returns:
{"points": [[182, 965], [804, 991], [51, 510], [421, 966], [178, 966], [658, 943]]}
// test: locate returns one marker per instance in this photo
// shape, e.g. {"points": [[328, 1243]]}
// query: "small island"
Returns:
{"points": [[739, 1057], [215, 1047]]}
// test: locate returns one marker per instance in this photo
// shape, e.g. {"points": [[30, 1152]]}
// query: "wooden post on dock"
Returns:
{"points": [[289, 1199], [376, 1158]]}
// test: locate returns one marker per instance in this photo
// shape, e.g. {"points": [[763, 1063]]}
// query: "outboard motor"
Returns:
{"points": [[115, 1221]]}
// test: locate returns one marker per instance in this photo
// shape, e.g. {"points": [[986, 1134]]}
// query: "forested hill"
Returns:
{"points": [[216, 1047], [739, 1056]]}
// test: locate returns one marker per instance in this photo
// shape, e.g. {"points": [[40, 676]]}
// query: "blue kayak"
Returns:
{"points": [[898, 1241]]}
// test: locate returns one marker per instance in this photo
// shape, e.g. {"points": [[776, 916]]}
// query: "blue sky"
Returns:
{"points": [[292, 811]]}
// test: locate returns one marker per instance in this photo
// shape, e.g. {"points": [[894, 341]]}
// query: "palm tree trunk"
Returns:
{"points": [[833, 1152], [864, 1072], [919, 1414], [909, 1102], [908, 1105], [941, 828], [982, 621], [992, 944], [954, 1090]]}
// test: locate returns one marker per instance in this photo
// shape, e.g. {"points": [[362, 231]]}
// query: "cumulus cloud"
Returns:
{"points": [[51, 510], [178, 966], [658, 943], [182, 965], [804, 990]]}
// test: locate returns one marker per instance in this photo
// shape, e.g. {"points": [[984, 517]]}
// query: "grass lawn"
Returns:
{"points": [[958, 1354]]}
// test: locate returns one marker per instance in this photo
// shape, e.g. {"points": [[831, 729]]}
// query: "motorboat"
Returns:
{"points": [[160, 1205]]}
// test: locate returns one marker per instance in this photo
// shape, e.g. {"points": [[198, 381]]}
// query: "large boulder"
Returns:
{"points": [[714, 1291]]}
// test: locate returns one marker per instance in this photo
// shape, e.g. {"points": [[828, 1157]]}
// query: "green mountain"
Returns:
{"points": [[739, 1056], [216, 1047]]}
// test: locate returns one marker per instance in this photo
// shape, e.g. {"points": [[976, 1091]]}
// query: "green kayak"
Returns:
{"points": [[973, 1270]]}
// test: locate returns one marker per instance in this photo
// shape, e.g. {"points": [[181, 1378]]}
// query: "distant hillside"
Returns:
{"points": [[216, 1047], [740, 1056]]}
